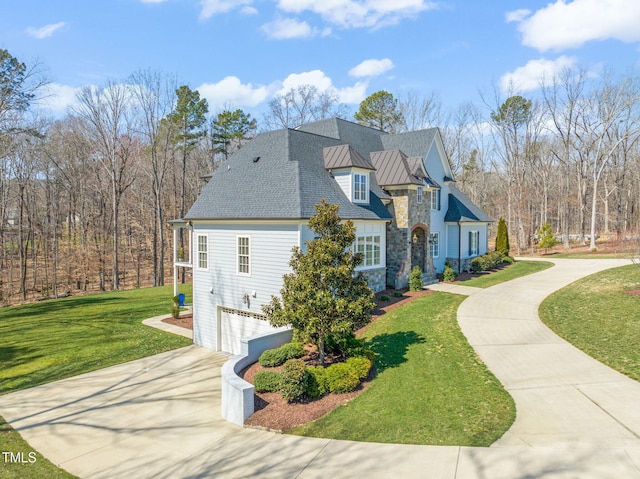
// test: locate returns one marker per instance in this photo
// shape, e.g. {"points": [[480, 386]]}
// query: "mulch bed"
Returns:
{"points": [[184, 321], [274, 413], [633, 292]]}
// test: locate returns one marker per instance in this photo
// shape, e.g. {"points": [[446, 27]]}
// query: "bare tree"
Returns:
{"points": [[420, 111], [106, 112]]}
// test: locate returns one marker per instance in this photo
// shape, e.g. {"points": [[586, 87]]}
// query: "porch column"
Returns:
{"points": [[175, 259]]}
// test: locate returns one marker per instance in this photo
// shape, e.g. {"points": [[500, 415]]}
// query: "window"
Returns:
{"points": [[434, 244], [435, 200], [474, 243], [203, 255], [419, 195], [360, 188], [369, 248], [243, 255]]}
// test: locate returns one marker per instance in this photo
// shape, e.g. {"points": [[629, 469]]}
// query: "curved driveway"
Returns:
{"points": [[160, 416]]}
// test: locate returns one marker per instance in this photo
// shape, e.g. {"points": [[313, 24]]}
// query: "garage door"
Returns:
{"points": [[236, 324]]}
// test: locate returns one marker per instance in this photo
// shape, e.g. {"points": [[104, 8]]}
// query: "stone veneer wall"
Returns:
{"points": [[465, 266], [376, 279], [407, 213]]}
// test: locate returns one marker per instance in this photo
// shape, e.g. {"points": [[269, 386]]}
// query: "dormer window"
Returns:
{"points": [[360, 188]]}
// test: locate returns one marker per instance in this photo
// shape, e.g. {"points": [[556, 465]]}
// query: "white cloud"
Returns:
{"points": [[529, 76], [562, 25], [231, 91], [358, 13], [517, 15], [287, 28], [214, 7], [58, 98], [371, 68], [249, 10], [317, 78], [46, 31]]}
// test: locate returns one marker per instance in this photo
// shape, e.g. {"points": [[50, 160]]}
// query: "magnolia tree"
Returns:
{"points": [[323, 295]]}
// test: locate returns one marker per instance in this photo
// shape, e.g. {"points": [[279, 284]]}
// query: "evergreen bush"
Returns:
{"points": [[267, 381], [341, 378], [360, 366], [502, 238], [293, 379], [277, 356], [448, 274], [415, 279], [317, 385]]}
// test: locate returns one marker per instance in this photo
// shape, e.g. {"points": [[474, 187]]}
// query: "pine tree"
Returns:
{"points": [[547, 238], [502, 238], [323, 296]]}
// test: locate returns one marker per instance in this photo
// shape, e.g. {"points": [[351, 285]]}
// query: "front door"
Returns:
{"points": [[418, 248]]}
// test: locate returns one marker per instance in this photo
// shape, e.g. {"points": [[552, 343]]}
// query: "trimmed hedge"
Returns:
{"points": [[341, 378], [317, 385], [338, 378], [267, 381], [360, 365], [275, 357], [293, 379], [486, 262]]}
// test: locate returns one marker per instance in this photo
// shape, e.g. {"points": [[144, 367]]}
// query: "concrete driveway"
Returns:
{"points": [[160, 416]]}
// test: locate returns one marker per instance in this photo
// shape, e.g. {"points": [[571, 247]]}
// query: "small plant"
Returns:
{"points": [[317, 385], [341, 378], [267, 381], [175, 310], [508, 259], [384, 297], [415, 279], [277, 356], [293, 379], [448, 274], [398, 294], [360, 366], [547, 237]]}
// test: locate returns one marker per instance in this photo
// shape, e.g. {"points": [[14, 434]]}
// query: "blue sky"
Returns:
{"points": [[240, 53]]}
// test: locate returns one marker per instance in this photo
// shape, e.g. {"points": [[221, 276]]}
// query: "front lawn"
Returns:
{"points": [[596, 315], [512, 271], [51, 340], [431, 386]]}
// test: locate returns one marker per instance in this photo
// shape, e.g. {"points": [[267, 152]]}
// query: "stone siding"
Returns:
{"points": [[376, 279], [465, 266]]}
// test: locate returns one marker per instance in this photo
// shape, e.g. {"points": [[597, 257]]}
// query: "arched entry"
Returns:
{"points": [[418, 247]]}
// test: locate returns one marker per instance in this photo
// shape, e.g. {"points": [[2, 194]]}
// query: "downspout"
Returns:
{"points": [[459, 247]]}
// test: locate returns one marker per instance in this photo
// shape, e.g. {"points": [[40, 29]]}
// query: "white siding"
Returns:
{"points": [[343, 178], [270, 252]]}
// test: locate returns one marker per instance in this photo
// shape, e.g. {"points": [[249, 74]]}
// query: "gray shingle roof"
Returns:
{"points": [[286, 182], [412, 143], [461, 208], [393, 169]]}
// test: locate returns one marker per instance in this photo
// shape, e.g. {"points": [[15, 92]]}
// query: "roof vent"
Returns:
{"points": [[255, 159]]}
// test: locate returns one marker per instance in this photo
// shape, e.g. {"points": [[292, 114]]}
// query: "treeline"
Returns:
{"points": [[85, 200]]}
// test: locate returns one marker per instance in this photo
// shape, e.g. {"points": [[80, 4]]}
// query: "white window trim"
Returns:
{"points": [[435, 234], [365, 178], [419, 195], [206, 251], [474, 234], [373, 244], [238, 272], [435, 199]]}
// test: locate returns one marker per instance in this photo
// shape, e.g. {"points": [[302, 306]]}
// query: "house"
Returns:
{"points": [[398, 189]]}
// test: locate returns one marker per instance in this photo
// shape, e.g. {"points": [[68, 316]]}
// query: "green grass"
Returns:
{"points": [[39, 468], [595, 315], [512, 271], [51, 340], [431, 386]]}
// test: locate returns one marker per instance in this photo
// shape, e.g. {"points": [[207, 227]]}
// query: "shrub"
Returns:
{"points": [[448, 274], [293, 379], [317, 385], [415, 279], [502, 238], [360, 366], [278, 356], [508, 259], [341, 378], [486, 261], [384, 297], [398, 294], [267, 381]]}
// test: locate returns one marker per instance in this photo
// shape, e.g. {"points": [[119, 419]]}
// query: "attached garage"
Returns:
{"points": [[236, 324]]}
